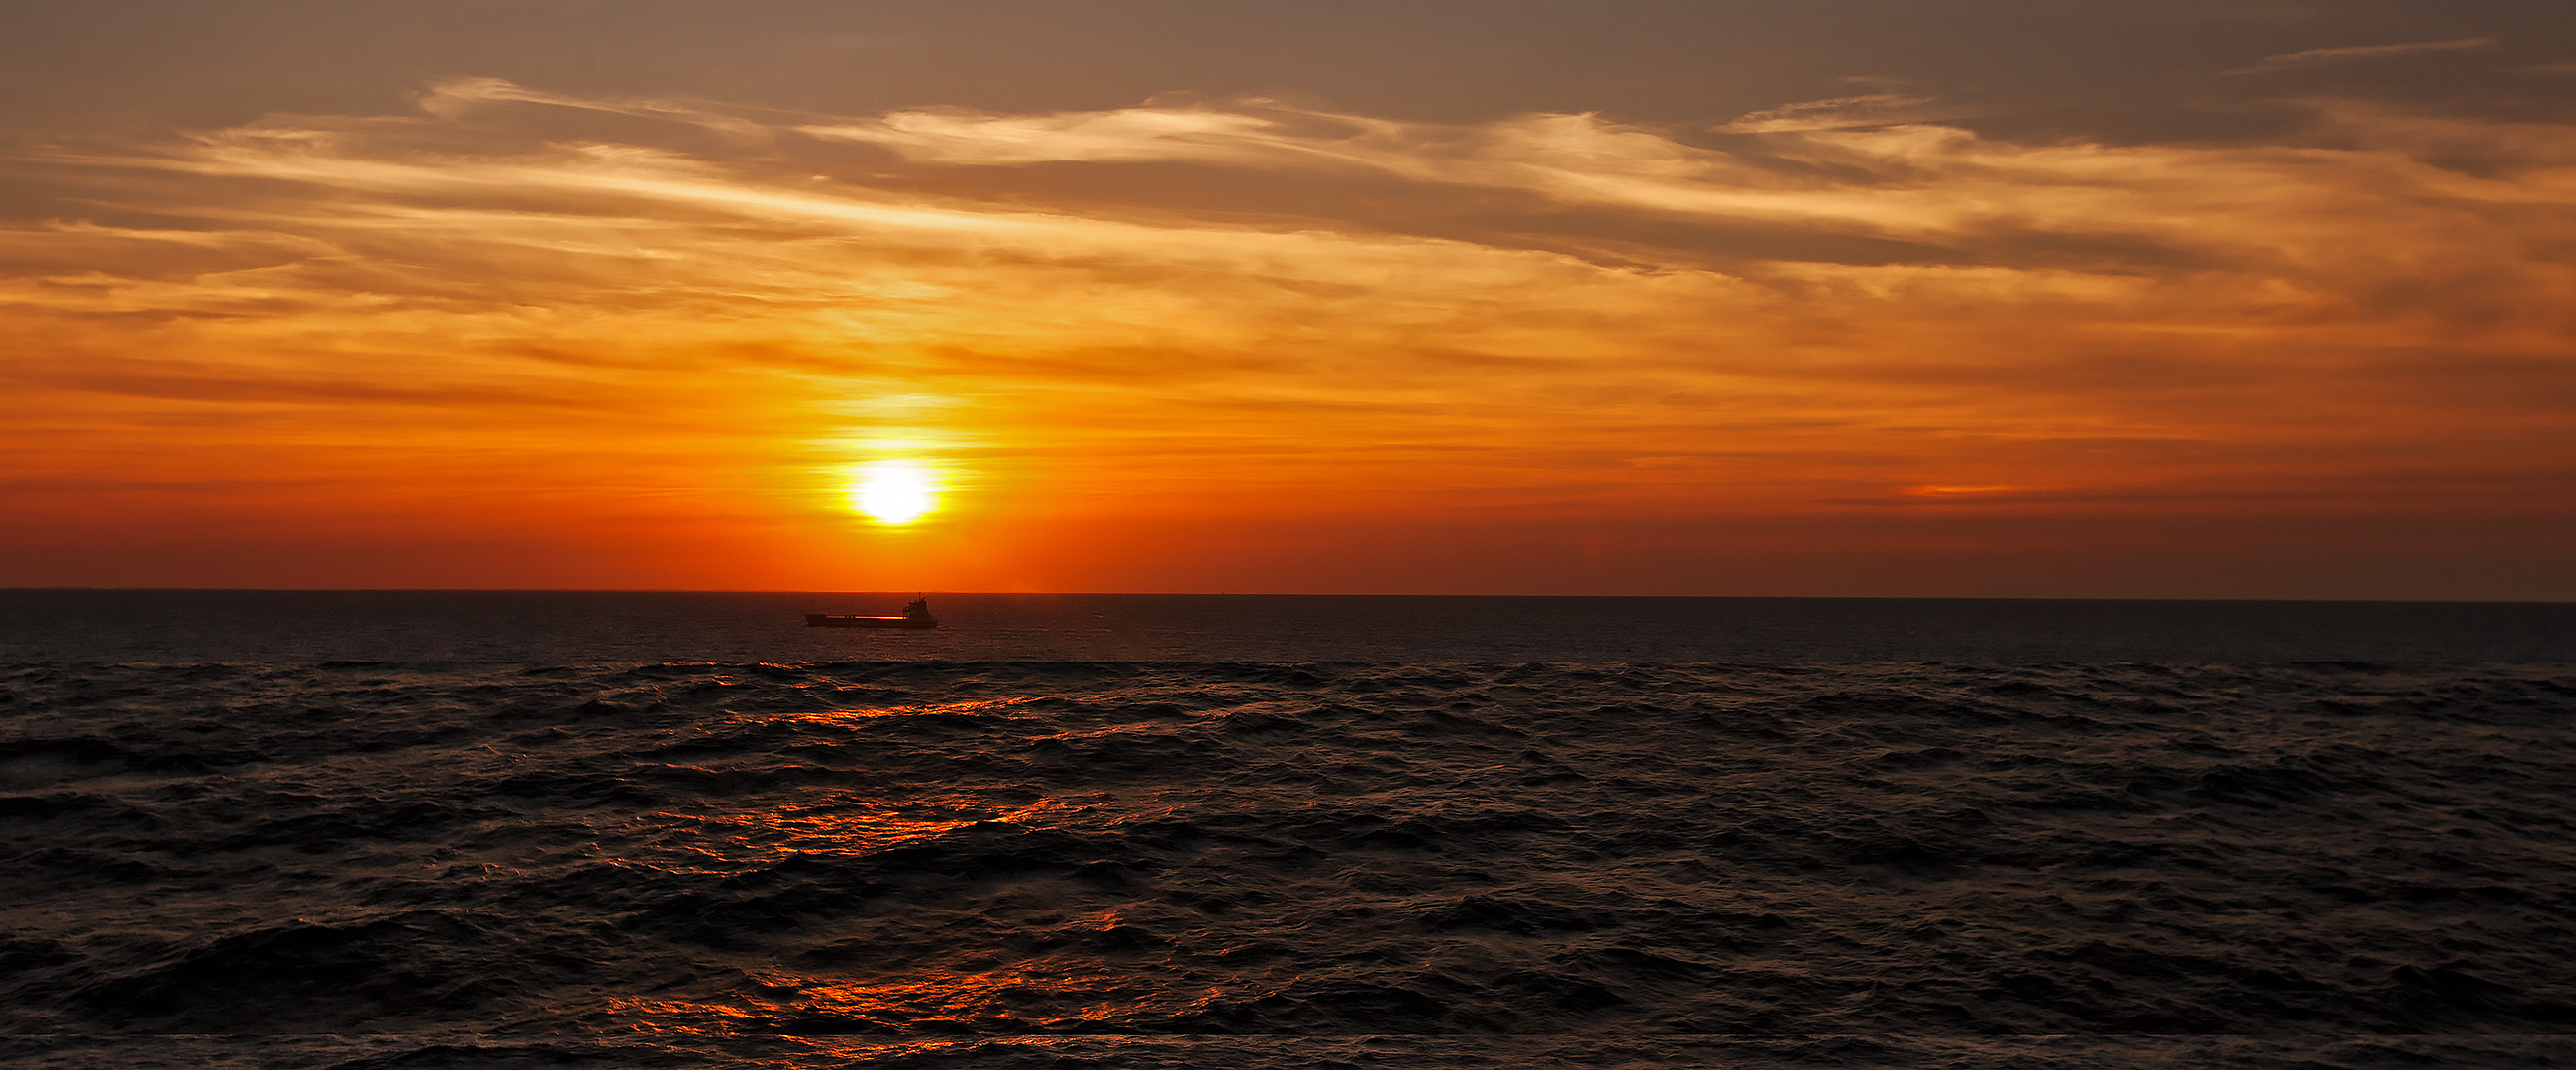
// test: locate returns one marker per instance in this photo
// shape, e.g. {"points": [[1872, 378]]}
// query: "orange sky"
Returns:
{"points": [[1866, 341]]}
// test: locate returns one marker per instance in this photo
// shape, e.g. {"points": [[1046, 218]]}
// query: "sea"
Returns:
{"points": [[616, 829]]}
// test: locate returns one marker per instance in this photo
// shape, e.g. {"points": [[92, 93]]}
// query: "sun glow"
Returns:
{"points": [[894, 492]]}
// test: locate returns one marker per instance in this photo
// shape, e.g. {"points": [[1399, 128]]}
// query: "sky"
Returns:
{"points": [[1816, 298]]}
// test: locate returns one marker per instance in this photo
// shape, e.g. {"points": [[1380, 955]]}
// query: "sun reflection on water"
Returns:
{"points": [[1023, 949], [1052, 995]]}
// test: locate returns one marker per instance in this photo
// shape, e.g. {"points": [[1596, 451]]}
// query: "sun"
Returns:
{"points": [[894, 492]]}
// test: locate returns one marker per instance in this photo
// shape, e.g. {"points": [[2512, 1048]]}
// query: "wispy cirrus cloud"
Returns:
{"points": [[2314, 57], [1872, 109]]}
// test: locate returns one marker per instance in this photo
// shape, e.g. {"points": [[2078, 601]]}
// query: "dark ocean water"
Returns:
{"points": [[526, 829]]}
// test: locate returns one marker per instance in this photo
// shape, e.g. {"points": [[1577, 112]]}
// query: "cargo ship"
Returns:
{"points": [[916, 615]]}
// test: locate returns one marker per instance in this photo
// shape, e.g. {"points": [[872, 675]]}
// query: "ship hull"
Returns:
{"points": [[821, 620]]}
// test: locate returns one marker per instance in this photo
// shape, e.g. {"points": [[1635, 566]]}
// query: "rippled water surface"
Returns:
{"points": [[1468, 862]]}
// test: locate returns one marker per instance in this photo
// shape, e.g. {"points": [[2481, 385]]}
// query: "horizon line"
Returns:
{"points": [[916, 592]]}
